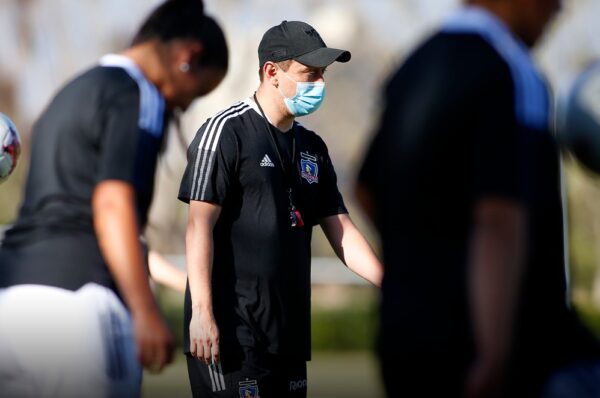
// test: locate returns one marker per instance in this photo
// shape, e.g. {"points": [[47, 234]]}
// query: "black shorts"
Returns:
{"points": [[254, 374]]}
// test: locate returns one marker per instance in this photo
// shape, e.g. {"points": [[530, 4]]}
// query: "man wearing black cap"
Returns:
{"points": [[257, 182]]}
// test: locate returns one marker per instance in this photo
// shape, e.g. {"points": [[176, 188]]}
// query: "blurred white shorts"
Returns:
{"points": [[59, 343]]}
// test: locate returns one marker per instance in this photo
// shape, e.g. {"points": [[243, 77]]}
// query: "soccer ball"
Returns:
{"points": [[578, 119], [10, 147]]}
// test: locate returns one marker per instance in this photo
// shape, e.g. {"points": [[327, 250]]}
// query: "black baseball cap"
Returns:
{"points": [[298, 41]]}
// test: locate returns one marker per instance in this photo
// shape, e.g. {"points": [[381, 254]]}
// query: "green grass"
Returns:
{"points": [[589, 315], [343, 364], [343, 330], [330, 375], [349, 325]]}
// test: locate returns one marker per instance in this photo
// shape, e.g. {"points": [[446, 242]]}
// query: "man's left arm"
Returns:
{"points": [[352, 248]]}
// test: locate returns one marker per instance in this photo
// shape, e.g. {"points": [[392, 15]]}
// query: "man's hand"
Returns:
{"points": [[154, 341], [204, 336]]}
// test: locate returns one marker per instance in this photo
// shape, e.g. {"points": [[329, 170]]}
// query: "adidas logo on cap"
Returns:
{"points": [[266, 162]]}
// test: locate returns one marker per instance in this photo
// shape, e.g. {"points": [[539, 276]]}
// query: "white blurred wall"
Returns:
{"points": [[45, 42]]}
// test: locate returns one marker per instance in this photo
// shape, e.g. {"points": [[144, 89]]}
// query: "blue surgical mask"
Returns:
{"points": [[308, 98]]}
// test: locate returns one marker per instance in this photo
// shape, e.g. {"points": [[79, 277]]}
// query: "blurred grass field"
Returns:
{"points": [[331, 374], [343, 333], [344, 320]]}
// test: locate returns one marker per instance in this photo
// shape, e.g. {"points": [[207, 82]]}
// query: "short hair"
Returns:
{"points": [[173, 19], [284, 65], [185, 19], [216, 53]]}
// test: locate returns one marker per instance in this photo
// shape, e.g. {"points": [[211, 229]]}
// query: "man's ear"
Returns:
{"points": [[270, 73], [194, 51]]}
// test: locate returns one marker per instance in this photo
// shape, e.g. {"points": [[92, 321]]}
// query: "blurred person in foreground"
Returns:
{"points": [[462, 181], [78, 318], [257, 181]]}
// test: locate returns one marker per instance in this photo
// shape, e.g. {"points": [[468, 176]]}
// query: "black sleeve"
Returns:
{"points": [[474, 90], [330, 198], [498, 152], [371, 171], [212, 164], [120, 136]]}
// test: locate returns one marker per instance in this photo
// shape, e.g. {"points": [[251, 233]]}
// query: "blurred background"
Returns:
{"points": [[44, 43]]}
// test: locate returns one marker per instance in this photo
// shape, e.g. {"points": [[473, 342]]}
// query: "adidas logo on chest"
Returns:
{"points": [[266, 162]]}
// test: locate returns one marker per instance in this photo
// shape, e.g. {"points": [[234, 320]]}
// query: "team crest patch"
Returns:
{"points": [[309, 168], [249, 389]]}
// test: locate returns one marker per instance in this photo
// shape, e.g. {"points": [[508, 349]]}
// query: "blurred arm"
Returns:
{"points": [[115, 223], [165, 273], [365, 200], [496, 262], [352, 248]]}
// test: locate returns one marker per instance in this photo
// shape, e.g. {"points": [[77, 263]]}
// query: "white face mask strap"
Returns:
{"points": [[289, 78]]}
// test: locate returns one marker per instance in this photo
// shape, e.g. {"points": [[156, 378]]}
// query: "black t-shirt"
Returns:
{"points": [[106, 124], [466, 117], [261, 269]]}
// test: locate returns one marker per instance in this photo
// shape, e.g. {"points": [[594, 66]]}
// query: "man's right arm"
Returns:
{"points": [[204, 334], [115, 224], [496, 263]]}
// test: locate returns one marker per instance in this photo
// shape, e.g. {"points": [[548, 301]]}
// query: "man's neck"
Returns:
{"points": [[503, 10], [272, 106], [146, 58]]}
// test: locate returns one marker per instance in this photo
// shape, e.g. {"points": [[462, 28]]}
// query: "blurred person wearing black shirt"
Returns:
{"points": [[78, 318], [462, 180]]}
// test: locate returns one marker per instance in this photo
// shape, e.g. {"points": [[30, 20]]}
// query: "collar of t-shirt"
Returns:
{"points": [[250, 101], [152, 103]]}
